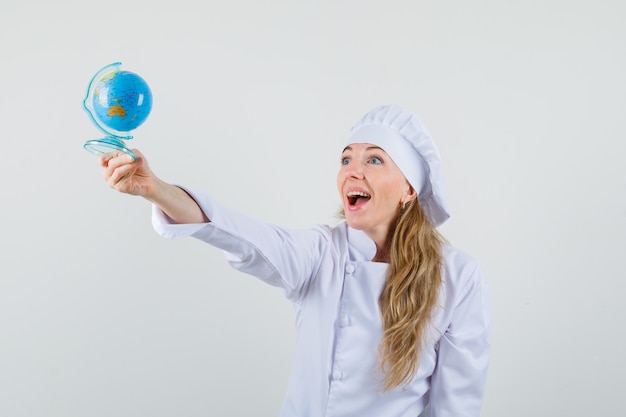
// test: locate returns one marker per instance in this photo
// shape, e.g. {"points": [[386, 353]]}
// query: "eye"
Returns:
{"points": [[375, 160], [345, 160]]}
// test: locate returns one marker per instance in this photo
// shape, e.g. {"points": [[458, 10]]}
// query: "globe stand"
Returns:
{"points": [[100, 93], [107, 145]]}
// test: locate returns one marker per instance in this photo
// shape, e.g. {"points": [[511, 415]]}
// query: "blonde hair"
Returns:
{"points": [[410, 294]]}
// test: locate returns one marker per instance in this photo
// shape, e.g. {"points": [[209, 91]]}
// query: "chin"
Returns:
{"points": [[354, 224]]}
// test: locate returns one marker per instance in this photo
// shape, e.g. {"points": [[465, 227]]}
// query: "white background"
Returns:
{"points": [[253, 99]]}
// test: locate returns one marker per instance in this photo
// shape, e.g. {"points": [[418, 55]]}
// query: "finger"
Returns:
{"points": [[139, 158], [120, 159], [108, 166], [104, 159], [119, 176]]}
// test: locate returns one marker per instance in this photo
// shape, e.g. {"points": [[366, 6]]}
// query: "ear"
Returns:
{"points": [[409, 194]]}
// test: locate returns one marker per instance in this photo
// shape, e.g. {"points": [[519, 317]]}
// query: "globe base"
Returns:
{"points": [[107, 145]]}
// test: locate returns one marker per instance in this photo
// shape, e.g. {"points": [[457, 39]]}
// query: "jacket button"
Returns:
{"points": [[350, 268]]}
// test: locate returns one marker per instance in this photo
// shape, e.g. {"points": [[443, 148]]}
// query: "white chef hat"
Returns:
{"points": [[403, 136]]}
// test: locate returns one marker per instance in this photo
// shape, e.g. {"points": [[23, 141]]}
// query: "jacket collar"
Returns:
{"points": [[362, 248]]}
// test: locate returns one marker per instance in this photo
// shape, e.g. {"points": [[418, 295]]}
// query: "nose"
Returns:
{"points": [[354, 170]]}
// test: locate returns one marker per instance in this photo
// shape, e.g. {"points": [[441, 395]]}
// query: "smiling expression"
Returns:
{"points": [[372, 189]]}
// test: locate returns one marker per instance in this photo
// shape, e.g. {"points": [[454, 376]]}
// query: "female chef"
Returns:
{"points": [[391, 320]]}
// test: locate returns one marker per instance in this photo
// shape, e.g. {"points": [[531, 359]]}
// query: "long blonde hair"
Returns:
{"points": [[410, 294]]}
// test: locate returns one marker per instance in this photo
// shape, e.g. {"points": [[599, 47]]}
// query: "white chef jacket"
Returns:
{"points": [[327, 274]]}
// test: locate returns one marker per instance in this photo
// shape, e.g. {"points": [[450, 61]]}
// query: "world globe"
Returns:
{"points": [[118, 102], [122, 101]]}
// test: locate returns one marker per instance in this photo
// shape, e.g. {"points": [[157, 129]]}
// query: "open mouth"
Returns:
{"points": [[356, 198]]}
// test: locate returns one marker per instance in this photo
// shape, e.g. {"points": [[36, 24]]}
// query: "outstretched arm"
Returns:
{"points": [[135, 177]]}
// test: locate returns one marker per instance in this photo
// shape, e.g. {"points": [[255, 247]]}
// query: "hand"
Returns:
{"points": [[134, 177], [129, 176]]}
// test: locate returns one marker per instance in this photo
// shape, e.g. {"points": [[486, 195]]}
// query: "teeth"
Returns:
{"points": [[358, 194]]}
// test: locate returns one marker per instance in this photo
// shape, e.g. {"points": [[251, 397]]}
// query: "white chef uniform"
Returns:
{"points": [[327, 274]]}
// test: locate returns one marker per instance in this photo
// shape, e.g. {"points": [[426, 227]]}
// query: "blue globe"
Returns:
{"points": [[122, 100]]}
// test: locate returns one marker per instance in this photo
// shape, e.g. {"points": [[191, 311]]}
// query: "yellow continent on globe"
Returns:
{"points": [[116, 110]]}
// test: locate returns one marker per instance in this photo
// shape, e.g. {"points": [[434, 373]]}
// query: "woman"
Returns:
{"points": [[391, 320]]}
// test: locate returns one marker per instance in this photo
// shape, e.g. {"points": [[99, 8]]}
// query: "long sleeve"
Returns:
{"points": [[281, 257], [463, 354]]}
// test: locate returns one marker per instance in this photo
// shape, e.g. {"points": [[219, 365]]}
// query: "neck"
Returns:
{"points": [[382, 255], [383, 243]]}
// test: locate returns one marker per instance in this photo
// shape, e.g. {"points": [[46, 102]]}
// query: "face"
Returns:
{"points": [[372, 189]]}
